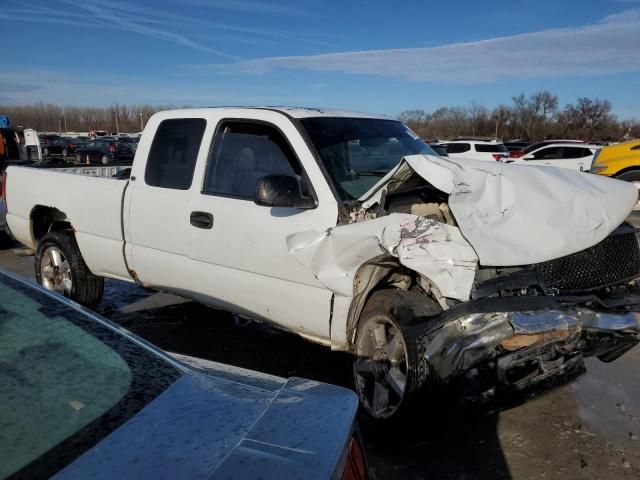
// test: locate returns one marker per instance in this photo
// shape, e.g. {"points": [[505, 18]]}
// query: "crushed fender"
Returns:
{"points": [[433, 249]]}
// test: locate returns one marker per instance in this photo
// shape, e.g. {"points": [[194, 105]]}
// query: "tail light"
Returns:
{"points": [[356, 465], [498, 156], [73, 145], [516, 154], [112, 148]]}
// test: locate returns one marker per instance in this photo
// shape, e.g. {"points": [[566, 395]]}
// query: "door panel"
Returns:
{"points": [[157, 227], [243, 260]]}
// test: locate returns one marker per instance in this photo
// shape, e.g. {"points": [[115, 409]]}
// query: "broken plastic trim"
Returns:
{"points": [[535, 339]]}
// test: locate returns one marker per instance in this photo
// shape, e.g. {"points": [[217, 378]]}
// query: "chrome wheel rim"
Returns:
{"points": [[637, 185], [380, 367], [55, 271], [105, 160]]}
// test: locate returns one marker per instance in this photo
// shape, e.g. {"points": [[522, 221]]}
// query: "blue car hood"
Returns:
{"points": [[206, 426]]}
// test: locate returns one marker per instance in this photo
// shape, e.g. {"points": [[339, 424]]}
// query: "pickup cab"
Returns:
{"points": [[491, 279]]}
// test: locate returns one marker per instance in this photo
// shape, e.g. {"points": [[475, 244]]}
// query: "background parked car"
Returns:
{"points": [[620, 161], [131, 141], [476, 149], [535, 146], [104, 150], [83, 398], [439, 149], [572, 156], [57, 145]]}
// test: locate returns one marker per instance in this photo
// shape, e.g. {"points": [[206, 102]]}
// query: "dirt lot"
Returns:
{"points": [[589, 430]]}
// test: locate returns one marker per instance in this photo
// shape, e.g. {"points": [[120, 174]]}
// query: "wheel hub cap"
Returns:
{"points": [[55, 271], [380, 367]]}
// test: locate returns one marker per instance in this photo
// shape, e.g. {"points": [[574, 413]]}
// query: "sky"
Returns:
{"points": [[374, 56]]}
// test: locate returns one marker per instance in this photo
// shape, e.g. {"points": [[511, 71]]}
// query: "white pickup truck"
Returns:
{"points": [[491, 279]]}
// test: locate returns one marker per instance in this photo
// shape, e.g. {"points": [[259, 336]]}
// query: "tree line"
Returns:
{"points": [[534, 117], [45, 117]]}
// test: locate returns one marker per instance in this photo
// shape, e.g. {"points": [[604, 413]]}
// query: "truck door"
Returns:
{"points": [[240, 259], [157, 204]]}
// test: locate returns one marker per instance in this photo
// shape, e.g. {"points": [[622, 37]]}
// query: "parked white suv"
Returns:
{"points": [[571, 156], [477, 149]]}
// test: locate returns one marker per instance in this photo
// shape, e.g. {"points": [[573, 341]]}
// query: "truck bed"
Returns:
{"points": [[93, 205]]}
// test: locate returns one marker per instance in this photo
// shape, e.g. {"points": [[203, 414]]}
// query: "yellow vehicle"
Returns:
{"points": [[621, 161]]}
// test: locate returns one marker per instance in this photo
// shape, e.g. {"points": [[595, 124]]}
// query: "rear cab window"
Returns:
{"points": [[174, 152]]}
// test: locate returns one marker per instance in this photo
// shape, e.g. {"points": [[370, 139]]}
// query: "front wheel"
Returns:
{"points": [[59, 267], [386, 361]]}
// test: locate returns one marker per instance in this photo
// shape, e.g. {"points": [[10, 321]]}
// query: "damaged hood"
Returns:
{"points": [[518, 214], [507, 215]]}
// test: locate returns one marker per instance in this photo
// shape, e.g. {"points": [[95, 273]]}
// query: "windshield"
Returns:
{"points": [[358, 152], [67, 381]]}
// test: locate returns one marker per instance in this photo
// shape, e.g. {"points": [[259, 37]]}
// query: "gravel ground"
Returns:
{"points": [[588, 430]]}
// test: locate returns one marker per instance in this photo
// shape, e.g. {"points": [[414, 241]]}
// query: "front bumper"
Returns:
{"points": [[508, 357]]}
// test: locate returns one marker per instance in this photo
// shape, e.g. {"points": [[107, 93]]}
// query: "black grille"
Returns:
{"points": [[611, 261]]}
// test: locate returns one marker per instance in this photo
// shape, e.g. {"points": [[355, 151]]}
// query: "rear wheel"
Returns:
{"points": [[65, 152], [45, 152], [105, 160], [78, 158], [59, 267]]}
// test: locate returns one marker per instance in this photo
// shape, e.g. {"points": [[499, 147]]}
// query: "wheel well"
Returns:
{"points": [[379, 274], [627, 170], [47, 219]]}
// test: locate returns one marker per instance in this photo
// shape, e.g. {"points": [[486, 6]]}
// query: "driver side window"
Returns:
{"points": [[243, 153]]}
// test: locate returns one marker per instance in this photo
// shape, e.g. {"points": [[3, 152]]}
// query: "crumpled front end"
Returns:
{"points": [[502, 354]]}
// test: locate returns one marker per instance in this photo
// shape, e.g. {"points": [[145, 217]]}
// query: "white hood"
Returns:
{"points": [[520, 214]]}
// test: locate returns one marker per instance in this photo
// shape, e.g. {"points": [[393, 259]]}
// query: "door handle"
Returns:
{"points": [[201, 220]]}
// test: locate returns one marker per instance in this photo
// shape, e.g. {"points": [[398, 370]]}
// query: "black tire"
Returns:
{"points": [[87, 289], [396, 309]]}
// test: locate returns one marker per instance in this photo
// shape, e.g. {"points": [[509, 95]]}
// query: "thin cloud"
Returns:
{"points": [[139, 19], [609, 46], [252, 7], [98, 88]]}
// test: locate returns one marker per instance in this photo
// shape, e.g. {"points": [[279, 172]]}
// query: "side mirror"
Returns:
{"points": [[282, 191]]}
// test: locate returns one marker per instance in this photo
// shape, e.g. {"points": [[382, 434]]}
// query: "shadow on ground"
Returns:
{"points": [[450, 447]]}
